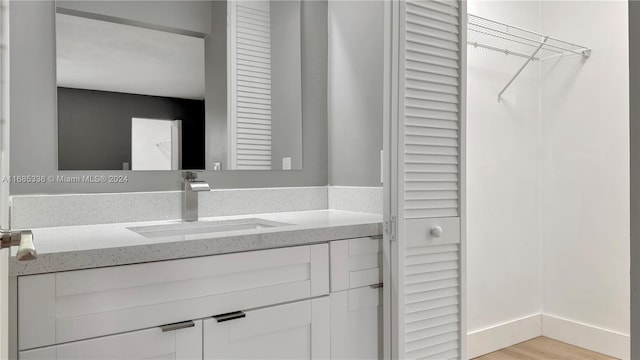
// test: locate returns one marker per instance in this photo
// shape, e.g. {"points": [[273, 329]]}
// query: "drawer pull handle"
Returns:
{"points": [[177, 326], [376, 286], [376, 237], [230, 316]]}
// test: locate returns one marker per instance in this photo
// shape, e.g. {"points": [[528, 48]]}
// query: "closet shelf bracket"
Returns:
{"points": [[531, 58], [512, 40]]}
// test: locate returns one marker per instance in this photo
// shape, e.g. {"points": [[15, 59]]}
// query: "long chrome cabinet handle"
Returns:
{"points": [[177, 326], [230, 316], [376, 286]]}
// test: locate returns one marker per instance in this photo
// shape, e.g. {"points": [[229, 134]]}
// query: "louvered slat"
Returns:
{"points": [[430, 105], [432, 143], [432, 302], [252, 92]]}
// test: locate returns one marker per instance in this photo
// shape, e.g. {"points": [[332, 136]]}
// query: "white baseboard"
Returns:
{"points": [[503, 335], [596, 339]]}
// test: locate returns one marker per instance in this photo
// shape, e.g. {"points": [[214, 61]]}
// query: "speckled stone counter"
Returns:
{"points": [[90, 246]]}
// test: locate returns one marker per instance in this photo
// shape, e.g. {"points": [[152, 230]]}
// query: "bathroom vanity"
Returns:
{"points": [[288, 285]]}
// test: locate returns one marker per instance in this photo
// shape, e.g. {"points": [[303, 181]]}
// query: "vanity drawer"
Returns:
{"points": [[69, 306], [154, 343], [356, 263]]}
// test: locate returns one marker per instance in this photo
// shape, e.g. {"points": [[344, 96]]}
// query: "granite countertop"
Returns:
{"points": [[91, 246]]}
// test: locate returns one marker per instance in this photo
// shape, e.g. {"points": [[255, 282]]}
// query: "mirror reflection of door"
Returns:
{"points": [[155, 144]]}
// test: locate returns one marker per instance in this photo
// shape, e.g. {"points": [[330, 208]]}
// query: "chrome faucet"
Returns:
{"points": [[190, 196]]}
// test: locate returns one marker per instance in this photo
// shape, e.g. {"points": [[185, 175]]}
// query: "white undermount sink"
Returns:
{"points": [[204, 227]]}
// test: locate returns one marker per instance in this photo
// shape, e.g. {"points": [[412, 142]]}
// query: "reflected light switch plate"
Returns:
{"points": [[286, 163]]}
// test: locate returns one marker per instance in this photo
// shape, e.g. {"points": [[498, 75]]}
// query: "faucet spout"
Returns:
{"points": [[190, 196]]}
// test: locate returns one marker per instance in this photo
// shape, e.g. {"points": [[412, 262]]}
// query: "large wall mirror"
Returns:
{"points": [[171, 85]]}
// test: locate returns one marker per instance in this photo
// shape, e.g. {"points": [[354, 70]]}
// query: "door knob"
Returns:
{"points": [[23, 239], [436, 232]]}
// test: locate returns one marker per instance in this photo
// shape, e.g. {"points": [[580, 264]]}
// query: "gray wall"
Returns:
{"points": [[634, 122], [356, 47], [34, 126], [286, 111]]}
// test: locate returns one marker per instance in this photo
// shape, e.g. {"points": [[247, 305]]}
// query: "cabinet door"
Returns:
{"points": [[356, 324], [355, 263], [179, 344], [297, 330]]}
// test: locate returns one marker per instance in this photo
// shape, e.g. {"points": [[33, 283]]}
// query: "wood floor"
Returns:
{"points": [[543, 348]]}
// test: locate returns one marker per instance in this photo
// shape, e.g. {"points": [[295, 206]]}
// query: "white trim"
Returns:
{"points": [[5, 115], [500, 336], [587, 336], [464, 341], [389, 91]]}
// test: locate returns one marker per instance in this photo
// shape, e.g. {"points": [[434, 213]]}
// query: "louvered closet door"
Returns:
{"points": [[427, 297], [250, 85]]}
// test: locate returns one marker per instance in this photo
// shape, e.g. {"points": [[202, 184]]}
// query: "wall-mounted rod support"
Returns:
{"points": [[532, 57]]}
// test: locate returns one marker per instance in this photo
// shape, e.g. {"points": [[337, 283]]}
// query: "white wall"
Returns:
{"points": [[585, 169], [503, 192], [548, 183]]}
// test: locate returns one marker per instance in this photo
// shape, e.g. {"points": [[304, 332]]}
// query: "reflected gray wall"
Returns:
{"points": [[215, 55], [285, 84], [356, 49], [34, 126]]}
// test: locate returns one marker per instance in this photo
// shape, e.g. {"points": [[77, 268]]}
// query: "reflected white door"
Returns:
{"points": [[249, 82], [155, 144], [425, 183]]}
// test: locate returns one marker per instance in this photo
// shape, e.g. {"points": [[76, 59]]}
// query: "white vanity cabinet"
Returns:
{"points": [[356, 298], [65, 307], [298, 330], [183, 343], [267, 304]]}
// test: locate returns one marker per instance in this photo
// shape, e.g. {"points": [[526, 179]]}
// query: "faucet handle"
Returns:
{"points": [[190, 175], [197, 186]]}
